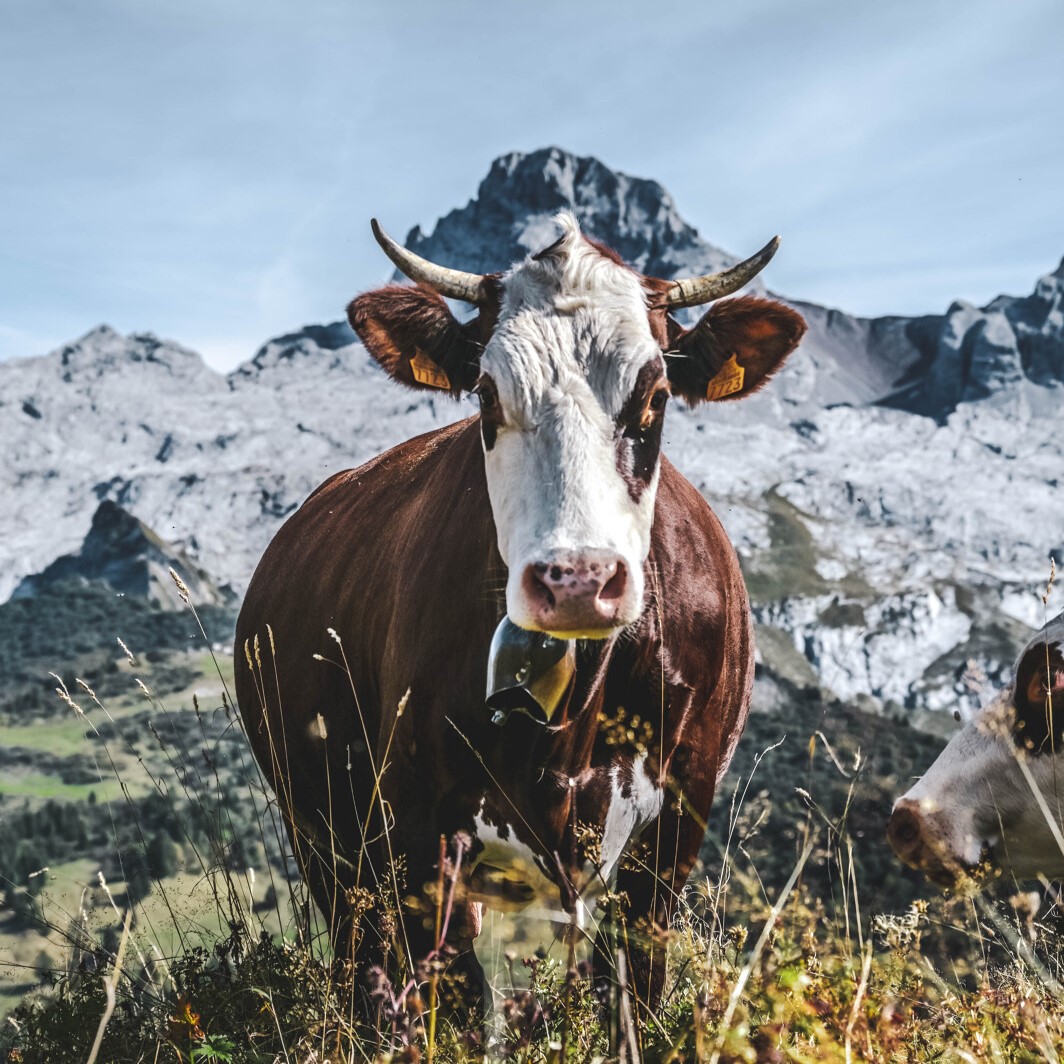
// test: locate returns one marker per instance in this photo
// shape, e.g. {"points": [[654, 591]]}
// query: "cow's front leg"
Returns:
{"points": [[648, 885]]}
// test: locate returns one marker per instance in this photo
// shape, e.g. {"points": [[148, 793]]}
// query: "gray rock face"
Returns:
{"points": [[293, 352], [894, 495], [212, 463], [857, 361], [511, 217], [1010, 346], [130, 558]]}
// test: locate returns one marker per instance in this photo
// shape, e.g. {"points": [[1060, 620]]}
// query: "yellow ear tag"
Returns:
{"points": [[427, 372], [728, 381]]}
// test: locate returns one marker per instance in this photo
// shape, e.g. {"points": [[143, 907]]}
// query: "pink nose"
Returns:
{"points": [[576, 592]]}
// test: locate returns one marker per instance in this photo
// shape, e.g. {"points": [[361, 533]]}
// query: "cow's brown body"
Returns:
{"points": [[375, 606], [399, 558]]}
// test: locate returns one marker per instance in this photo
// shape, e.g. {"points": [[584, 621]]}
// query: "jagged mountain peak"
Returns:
{"points": [[1050, 288], [512, 213], [132, 559], [99, 334]]}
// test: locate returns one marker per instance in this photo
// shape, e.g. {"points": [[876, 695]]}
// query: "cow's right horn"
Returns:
{"points": [[694, 291], [469, 287]]}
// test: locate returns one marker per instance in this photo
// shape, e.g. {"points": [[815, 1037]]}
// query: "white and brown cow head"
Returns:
{"points": [[573, 356], [997, 790]]}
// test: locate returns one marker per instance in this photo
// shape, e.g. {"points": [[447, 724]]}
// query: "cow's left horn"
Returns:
{"points": [[469, 287], [694, 291]]}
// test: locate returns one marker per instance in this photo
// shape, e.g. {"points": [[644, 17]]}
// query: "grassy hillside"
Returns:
{"points": [[800, 937], [72, 629]]}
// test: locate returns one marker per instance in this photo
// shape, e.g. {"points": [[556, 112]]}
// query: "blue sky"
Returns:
{"points": [[207, 170]]}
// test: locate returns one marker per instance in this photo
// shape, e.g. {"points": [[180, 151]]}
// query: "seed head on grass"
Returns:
{"points": [[182, 587], [64, 694], [129, 653]]}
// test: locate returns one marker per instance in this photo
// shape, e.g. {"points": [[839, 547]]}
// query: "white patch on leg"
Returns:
{"points": [[634, 803], [505, 852], [635, 800]]}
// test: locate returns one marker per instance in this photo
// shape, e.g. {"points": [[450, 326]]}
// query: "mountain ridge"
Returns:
{"points": [[893, 489]]}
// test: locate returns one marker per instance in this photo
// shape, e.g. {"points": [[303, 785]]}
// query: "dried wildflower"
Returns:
{"points": [[588, 838], [622, 730], [182, 587], [1026, 904]]}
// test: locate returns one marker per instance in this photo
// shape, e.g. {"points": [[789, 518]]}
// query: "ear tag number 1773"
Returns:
{"points": [[427, 372], [728, 381]]}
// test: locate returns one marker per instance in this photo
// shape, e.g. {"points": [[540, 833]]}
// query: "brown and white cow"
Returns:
{"points": [[996, 791], [553, 507]]}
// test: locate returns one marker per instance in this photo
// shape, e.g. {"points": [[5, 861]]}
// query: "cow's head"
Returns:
{"points": [[573, 356], [997, 790]]}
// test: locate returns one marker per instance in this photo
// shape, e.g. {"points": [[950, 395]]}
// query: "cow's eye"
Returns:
{"points": [[491, 416], [658, 400], [487, 394]]}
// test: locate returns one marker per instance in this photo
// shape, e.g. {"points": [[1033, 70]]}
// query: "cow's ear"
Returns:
{"points": [[1039, 697], [733, 350], [412, 333]]}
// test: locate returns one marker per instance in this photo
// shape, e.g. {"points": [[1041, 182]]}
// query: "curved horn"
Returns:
{"points": [[694, 291], [457, 284]]}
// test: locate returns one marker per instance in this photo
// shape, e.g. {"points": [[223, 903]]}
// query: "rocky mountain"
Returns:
{"points": [[127, 556], [212, 463], [894, 495], [1008, 351], [511, 216], [925, 365]]}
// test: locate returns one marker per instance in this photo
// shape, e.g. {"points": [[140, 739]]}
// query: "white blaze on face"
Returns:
{"points": [[986, 794], [572, 338]]}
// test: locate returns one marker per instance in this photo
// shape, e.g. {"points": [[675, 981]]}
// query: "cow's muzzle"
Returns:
{"points": [[920, 839], [579, 594]]}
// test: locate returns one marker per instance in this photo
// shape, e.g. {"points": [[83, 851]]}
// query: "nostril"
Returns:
{"points": [[905, 833], [616, 585], [535, 583], [904, 829], [588, 589]]}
